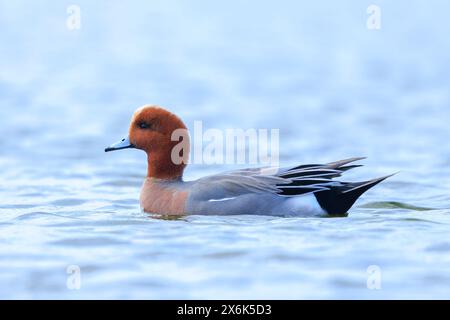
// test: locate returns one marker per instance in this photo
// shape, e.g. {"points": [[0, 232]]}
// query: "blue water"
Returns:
{"points": [[334, 88]]}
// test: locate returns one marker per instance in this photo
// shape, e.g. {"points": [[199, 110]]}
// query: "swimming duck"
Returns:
{"points": [[303, 190]]}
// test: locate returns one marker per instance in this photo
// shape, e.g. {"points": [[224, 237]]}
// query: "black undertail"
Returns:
{"points": [[339, 199]]}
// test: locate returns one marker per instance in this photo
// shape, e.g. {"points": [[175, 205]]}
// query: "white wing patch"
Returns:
{"points": [[223, 199]]}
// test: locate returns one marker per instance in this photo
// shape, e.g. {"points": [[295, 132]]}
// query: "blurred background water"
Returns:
{"points": [[313, 69]]}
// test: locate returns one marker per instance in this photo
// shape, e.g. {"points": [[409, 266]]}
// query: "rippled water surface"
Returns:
{"points": [[334, 89]]}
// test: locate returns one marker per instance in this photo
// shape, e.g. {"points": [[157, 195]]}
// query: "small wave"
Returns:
{"points": [[439, 247], [88, 242], [394, 205], [68, 202], [120, 183], [39, 215]]}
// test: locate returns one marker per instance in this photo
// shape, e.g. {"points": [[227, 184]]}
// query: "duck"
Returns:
{"points": [[306, 190]]}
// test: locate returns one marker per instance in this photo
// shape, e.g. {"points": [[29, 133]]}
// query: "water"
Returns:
{"points": [[334, 88]]}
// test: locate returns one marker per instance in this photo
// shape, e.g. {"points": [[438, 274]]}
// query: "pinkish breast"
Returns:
{"points": [[161, 198]]}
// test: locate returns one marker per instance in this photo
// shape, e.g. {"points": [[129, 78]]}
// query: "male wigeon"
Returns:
{"points": [[304, 190]]}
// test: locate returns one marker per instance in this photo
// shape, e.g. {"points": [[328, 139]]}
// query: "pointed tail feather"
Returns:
{"points": [[346, 168], [361, 187], [340, 163], [338, 200]]}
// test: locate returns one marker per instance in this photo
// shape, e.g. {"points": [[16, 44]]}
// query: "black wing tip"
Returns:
{"points": [[343, 162], [339, 166]]}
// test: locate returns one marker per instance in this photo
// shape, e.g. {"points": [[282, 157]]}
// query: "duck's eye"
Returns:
{"points": [[144, 125]]}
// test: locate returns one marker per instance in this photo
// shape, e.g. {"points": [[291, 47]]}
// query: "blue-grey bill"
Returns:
{"points": [[122, 144]]}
